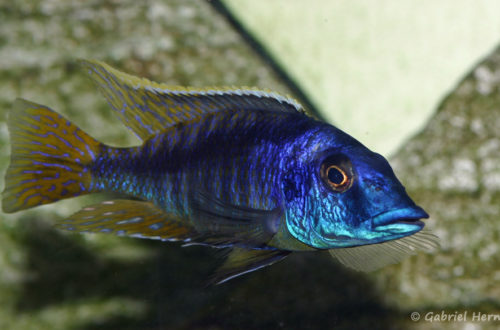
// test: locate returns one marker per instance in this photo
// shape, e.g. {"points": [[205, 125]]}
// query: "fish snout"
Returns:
{"points": [[400, 220]]}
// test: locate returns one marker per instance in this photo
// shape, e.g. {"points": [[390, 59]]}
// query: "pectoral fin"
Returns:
{"points": [[128, 218], [235, 224], [368, 258], [242, 261]]}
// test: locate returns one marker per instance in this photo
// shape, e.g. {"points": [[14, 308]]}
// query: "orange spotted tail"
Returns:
{"points": [[50, 158]]}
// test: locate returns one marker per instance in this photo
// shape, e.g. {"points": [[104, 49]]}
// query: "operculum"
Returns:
{"points": [[295, 190]]}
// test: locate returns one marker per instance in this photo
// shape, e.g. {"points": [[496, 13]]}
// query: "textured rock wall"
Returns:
{"points": [[453, 168]]}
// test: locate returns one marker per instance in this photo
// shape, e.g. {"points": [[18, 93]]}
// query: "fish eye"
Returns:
{"points": [[336, 172], [336, 175]]}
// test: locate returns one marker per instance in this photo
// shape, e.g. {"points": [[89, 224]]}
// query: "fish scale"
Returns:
{"points": [[123, 170]]}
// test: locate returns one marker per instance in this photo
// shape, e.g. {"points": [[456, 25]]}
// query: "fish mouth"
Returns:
{"points": [[400, 221]]}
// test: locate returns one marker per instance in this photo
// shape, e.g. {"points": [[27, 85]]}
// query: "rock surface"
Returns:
{"points": [[453, 168]]}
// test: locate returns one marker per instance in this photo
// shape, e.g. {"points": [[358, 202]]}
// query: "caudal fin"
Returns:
{"points": [[50, 158]]}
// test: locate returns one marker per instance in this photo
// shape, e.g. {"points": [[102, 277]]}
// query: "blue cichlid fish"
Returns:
{"points": [[230, 168]]}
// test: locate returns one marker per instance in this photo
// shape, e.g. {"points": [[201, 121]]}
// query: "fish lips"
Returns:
{"points": [[400, 221]]}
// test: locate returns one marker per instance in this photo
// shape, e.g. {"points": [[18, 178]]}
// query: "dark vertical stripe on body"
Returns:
{"points": [[233, 155]]}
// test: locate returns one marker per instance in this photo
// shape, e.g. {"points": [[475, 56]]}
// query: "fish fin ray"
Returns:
{"points": [[241, 261], [232, 223], [131, 218], [49, 158], [148, 107], [371, 257]]}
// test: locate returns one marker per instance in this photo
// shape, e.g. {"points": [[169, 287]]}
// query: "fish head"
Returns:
{"points": [[338, 193]]}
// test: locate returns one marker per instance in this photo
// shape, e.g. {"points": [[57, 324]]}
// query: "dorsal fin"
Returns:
{"points": [[147, 107]]}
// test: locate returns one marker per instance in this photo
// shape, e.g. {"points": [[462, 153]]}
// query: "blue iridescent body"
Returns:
{"points": [[237, 168]]}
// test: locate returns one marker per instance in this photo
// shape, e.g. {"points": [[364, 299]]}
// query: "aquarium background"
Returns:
{"points": [[446, 153]]}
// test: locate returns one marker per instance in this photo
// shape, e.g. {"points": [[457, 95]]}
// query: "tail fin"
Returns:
{"points": [[50, 158]]}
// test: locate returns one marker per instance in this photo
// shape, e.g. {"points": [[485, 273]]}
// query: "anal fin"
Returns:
{"points": [[129, 218], [241, 261]]}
